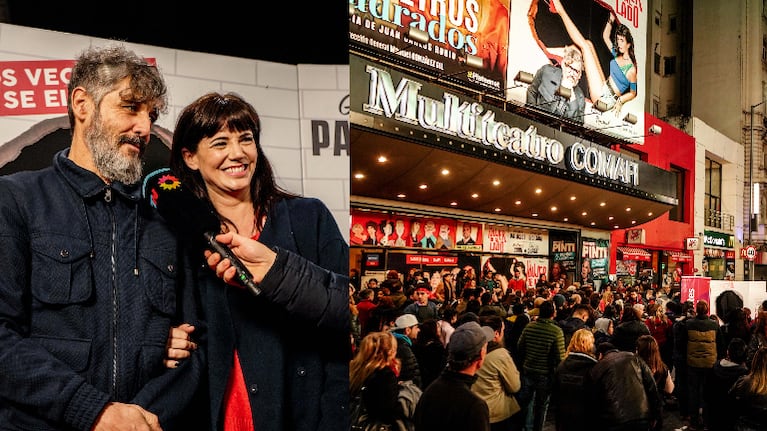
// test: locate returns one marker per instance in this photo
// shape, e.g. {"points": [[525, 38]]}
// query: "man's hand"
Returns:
{"points": [[257, 257], [126, 417], [180, 345]]}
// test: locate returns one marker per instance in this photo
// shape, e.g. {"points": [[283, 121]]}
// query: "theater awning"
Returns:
{"points": [[633, 253], [679, 256]]}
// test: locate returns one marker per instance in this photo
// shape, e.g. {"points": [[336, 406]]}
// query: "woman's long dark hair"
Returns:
{"points": [[203, 118]]}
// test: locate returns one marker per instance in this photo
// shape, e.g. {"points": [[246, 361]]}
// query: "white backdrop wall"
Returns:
{"points": [[303, 107]]}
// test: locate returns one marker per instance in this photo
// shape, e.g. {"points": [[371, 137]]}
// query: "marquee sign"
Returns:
{"points": [[401, 99]]}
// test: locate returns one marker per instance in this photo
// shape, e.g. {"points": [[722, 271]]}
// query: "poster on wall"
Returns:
{"points": [[695, 289], [564, 246], [386, 230], [562, 64], [594, 261], [465, 41], [525, 269], [516, 240], [469, 236]]}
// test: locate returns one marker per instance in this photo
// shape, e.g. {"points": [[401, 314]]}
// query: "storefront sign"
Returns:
{"points": [[635, 236], [717, 239], [692, 243], [419, 259], [470, 120]]}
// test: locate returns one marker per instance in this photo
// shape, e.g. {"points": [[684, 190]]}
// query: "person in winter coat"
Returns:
{"points": [[704, 348], [570, 391], [623, 392], [448, 404], [629, 330], [726, 371], [749, 395], [577, 320], [498, 379], [92, 278], [278, 358]]}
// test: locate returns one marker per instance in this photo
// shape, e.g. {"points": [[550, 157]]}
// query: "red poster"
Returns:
{"points": [[35, 87], [695, 289]]}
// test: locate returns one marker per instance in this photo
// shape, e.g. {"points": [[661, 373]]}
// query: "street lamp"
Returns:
{"points": [[751, 186]]}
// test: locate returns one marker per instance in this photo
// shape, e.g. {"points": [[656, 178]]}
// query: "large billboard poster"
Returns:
{"points": [[461, 40], [582, 61]]}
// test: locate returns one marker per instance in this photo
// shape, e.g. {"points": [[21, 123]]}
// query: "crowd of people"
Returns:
{"points": [[616, 359]]}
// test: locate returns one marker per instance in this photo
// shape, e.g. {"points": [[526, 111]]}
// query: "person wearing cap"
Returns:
{"points": [[448, 403], [541, 347], [405, 330], [422, 308]]}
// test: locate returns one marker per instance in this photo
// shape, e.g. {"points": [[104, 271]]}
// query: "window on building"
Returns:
{"points": [[764, 48], [672, 24], [712, 201], [677, 213], [657, 18], [656, 63], [669, 66], [655, 107]]}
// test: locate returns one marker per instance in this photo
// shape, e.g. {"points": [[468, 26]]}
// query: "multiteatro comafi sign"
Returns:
{"points": [[404, 100]]}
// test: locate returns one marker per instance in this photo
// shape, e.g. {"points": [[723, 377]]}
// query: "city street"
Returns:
{"points": [[671, 422]]}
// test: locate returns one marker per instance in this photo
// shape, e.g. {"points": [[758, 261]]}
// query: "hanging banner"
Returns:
{"points": [[696, 288]]}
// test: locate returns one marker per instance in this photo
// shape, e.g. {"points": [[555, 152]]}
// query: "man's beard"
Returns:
{"points": [[112, 164]]}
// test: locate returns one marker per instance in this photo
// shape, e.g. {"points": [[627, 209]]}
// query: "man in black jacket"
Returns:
{"points": [[624, 391], [448, 403]]}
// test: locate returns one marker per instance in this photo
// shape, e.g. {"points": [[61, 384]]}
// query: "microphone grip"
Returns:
{"points": [[243, 275]]}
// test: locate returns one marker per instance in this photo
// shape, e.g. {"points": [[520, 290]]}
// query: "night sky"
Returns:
{"points": [[310, 32]]}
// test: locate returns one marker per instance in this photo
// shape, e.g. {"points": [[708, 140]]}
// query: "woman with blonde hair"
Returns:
{"points": [[373, 376], [749, 394], [570, 390]]}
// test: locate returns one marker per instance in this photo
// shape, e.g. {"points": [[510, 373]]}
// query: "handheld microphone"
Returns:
{"points": [[243, 275], [191, 217]]}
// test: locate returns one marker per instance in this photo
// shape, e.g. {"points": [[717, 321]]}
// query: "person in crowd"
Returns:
{"points": [[570, 389], [749, 395], [679, 357], [354, 320], [78, 239], [736, 326], [704, 348], [489, 304], [720, 409], [544, 92], [541, 347], [758, 337], [365, 308], [623, 391], [423, 308], [446, 324], [520, 321], [429, 351], [373, 374], [448, 404], [649, 351], [604, 328], [629, 330], [659, 325], [406, 329], [518, 283], [577, 320], [396, 292], [498, 380], [294, 251]]}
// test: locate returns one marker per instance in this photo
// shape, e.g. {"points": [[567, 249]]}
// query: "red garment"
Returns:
{"points": [[237, 413], [518, 284]]}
